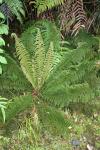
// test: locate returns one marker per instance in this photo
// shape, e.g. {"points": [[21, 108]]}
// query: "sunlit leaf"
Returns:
{"points": [[2, 16], [3, 29], [2, 42], [3, 60], [0, 1]]}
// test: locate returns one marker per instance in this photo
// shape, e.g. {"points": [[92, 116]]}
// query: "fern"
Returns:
{"points": [[16, 7], [17, 105], [66, 18], [42, 62], [73, 75], [25, 62], [38, 59], [6, 11], [48, 64], [69, 81], [43, 5], [72, 17], [80, 16], [53, 119], [47, 31], [32, 68], [12, 79], [70, 75]]}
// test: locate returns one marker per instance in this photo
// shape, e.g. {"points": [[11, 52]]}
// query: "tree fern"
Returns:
{"points": [[40, 60], [67, 77], [58, 86], [14, 78]]}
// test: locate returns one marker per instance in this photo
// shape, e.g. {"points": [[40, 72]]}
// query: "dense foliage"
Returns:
{"points": [[49, 74]]}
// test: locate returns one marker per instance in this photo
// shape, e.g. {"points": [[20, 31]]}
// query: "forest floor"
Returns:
{"points": [[84, 132]]}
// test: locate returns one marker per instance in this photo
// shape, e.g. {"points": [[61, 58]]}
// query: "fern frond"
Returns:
{"points": [[72, 17], [42, 61], [62, 95], [38, 59], [80, 16], [72, 76], [16, 7], [47, 31], [12, 78], [53, 120], [25, 61], [47, 15], [66, 17], [43, 5], [6, 11], [17, 105], [48, 64]]}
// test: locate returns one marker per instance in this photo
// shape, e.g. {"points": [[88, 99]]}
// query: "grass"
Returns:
{"points": [[31, 135]]}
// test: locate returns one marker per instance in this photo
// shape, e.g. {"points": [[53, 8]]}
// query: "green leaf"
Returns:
{"points": [[2, 42], [3, 29], [0, 69], [2, 16], [0, 1], [3, 60]]}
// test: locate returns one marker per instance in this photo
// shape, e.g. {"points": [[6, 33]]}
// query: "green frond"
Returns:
{"points": [[67, 81], [37, 65], [49, 33], [53, 120], [12, 78], [16, 7], [74, 57], [91, 40], [74, 78], [42, 61], [43, 5], [38, 59], [25, 61], [48, 63], [17, 105], [61, 95]]}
